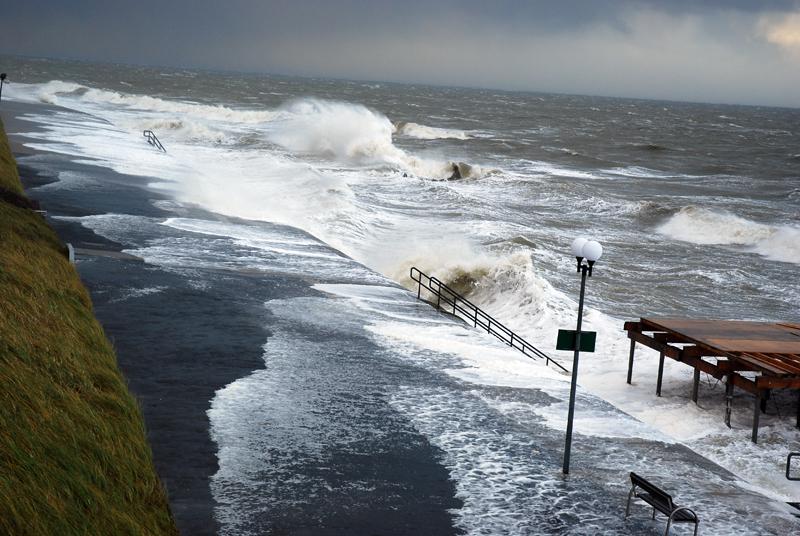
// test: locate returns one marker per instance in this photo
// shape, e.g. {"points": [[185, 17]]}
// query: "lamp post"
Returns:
{"points": [[591, 251]]}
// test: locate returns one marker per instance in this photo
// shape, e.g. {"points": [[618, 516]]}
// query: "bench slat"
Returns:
{"points": [[662, 506]]}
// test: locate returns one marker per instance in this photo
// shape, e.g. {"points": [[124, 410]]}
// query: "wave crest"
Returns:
{"points": [[184, 130], [423, 132], [507, 285], [708, 227], [55, 91], [353, 133]]}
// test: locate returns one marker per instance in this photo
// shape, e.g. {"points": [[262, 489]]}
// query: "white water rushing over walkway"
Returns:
{"points": [[372, 189]]}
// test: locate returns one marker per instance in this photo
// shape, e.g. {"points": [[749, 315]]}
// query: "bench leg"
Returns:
{"points": [[695, 527], [654, 513], [628, 505], [669, 523], [660, 373]]}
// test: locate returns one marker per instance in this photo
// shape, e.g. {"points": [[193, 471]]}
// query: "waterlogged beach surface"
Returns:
{"points": [[369, 411]]}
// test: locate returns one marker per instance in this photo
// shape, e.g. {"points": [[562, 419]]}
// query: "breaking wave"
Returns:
{"points": [[424, 132], [354, 134], [505, 283], [56, 92], [344, 131], [184, 130], [703, 226]]}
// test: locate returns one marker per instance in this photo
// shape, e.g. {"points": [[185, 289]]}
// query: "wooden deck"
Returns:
{"points": [[769, 354]]}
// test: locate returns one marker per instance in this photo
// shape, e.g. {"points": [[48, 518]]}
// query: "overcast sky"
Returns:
{"points": [[734, 51]]}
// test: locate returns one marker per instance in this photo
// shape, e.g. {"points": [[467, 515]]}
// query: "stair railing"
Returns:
{"points": [[447, 298], [153, 140]]}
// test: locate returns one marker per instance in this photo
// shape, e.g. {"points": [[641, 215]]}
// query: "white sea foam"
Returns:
{"points": [[709, 227], [336, 129], [510, 289], [183, 130], [275, 187], [70, 94], [500, 477], [133, 293], [424, 132], [351, 133], [508, 284], [546, 168]]}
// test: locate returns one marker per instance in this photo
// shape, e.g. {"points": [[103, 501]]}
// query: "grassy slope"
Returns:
{"points": [[74, 458]]}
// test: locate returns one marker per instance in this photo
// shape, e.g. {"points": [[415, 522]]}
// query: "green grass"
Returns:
{"points": [[74, 458]]}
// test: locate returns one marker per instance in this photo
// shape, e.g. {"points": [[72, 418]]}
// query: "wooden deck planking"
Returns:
{"points": [[771, 350]]}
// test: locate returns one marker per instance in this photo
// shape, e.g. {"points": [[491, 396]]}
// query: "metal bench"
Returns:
{"points": [[661, 501]]}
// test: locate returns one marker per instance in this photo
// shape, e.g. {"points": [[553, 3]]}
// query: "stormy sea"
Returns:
{"points": [[254, 278]]}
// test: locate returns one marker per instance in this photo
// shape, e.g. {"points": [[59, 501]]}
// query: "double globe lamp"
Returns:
{"points": [[589, 251]]}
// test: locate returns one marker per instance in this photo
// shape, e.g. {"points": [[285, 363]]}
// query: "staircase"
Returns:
{"points": [[153, 140], [450, 301]]}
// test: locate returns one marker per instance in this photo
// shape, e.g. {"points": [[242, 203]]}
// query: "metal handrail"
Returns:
{"points": [[476, 315], [152, 139]]}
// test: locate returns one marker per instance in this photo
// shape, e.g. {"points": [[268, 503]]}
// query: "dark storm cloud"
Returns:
{"points": [[739, 51]]}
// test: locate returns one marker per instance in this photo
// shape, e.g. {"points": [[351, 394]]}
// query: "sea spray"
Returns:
{"points": [[354, 134], [504, 282]]}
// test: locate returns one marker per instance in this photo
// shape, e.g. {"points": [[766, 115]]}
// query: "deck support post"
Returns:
{"points": [[695, 385], [797, 424], [660, 373], [630, 361], [764, 401], [728, 401], [756, 414]]}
